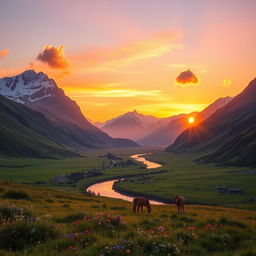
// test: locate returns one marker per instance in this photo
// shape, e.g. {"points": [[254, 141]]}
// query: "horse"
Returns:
{"points": [[139, 202], [179, 201]]}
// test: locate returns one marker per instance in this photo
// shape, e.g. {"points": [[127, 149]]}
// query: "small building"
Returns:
{"points": [[236, 191], [222, 189]]}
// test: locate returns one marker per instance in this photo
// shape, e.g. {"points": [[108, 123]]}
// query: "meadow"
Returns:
{"points": [[44, 222], [179, 174]]}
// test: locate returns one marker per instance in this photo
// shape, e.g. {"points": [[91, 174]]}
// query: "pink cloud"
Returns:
{"points": [[3, 53]]}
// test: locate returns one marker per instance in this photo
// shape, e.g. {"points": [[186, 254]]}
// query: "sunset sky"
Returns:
{"points": [[160, 57]]}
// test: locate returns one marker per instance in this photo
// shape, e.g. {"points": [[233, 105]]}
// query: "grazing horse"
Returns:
{"points": [[139, 202], [179, 201]]}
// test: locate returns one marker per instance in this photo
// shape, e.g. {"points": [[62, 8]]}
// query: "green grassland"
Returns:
{"points": [[54, 223], [197, 182]]}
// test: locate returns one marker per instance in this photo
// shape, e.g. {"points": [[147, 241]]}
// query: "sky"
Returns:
{"points": [[161, 57]]}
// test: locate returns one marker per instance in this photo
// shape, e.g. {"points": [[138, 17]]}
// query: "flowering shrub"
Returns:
{"points": [[18, 235], [15, 194], [10, 213]]}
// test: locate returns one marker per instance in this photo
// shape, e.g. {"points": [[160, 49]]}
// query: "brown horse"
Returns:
{"points": [[139, 202], [179, 201]]}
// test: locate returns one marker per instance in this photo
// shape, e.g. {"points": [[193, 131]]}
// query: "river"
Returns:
{"points": [[105, 188]]}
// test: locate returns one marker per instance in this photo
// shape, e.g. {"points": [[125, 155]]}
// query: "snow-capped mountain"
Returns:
{"points": [[41, 93], [27, 87], [129, 125], [37, 91]]}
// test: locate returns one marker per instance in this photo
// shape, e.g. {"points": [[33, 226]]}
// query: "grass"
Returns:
{"points": [[197, 182], [70, 224]]}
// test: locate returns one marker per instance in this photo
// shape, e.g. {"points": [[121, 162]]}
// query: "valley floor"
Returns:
{"points": [[43, 222]]}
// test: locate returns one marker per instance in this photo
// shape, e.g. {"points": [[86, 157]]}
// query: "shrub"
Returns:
{"points": [[19, 235], [13, 213], [185, 237], [16, 194], [71, 218], [216, 242], [230, 222]]}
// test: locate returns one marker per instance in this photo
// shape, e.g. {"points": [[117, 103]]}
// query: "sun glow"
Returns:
{"points": [[191, 120]]}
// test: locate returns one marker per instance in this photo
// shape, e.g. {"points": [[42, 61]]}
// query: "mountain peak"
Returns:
{"points": [[28, 86]]}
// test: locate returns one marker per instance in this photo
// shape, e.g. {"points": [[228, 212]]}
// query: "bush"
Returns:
{"points": [[71, 218], [19, 235], [15, 194], [13, 213]]}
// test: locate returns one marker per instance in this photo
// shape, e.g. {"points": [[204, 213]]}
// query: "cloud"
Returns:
{"points": [[98, 58], [3, 53], [186, 78], [227, 82], [54, 57], [113, 93]]}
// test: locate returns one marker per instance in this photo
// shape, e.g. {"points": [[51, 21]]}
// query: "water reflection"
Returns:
{"points": [[105, 188]]}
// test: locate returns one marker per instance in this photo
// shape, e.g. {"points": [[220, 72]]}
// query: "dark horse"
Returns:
{"points": [[179, 201], [139, 202]]}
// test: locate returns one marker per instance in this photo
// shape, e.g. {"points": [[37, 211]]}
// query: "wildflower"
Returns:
{"points": [[161, 229], [192, 228], [150, 231], [128, 251], [87, 231], [72, 248]]}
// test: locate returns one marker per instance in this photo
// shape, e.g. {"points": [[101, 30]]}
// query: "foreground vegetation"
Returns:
{"points": [[43, 222]]}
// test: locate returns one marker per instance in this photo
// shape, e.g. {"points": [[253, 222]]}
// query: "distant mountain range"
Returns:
{"points": [[62, 121], [130, 125], [228, 135], [153, 131]]}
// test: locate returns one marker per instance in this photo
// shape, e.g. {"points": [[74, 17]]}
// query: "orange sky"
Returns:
{"points": [[115, 56]]}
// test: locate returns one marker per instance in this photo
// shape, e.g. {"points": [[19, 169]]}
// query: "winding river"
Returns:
{"points": [[105, 188]]}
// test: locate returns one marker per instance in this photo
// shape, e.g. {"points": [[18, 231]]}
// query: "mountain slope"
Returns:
{"points": [[27, 133], [37, 91], [130, 125], [235, 117], [166, 133], [239, 151]]}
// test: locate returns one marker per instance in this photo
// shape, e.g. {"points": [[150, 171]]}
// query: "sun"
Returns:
{"points": [[191, 120]]}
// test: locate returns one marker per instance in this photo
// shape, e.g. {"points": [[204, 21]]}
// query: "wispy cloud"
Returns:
{"points": [[3, 53], [120, 56], [53, 56], [166, 109], [112, 93]]}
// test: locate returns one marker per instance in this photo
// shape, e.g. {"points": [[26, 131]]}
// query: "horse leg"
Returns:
{"points": [[134, 208]]}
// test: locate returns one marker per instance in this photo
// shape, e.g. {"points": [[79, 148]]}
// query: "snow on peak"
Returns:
{"points": [[28, 86]]}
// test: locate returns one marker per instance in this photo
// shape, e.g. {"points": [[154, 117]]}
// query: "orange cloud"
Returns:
{"points": [[98, 58], [227, 82], [53, 56], [187, 78], [3, 53]]}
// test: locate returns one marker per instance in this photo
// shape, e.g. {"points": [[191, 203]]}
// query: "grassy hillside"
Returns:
{"points": [[198, 182], [27, 133], [40, 222], [240, 151]]}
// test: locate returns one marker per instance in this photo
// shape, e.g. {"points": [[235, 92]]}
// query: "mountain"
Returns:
{"points": [[41, 93], [130, 125], [28, 133], [38, 92], [165, 133], [226, 123], [239, 151]]}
